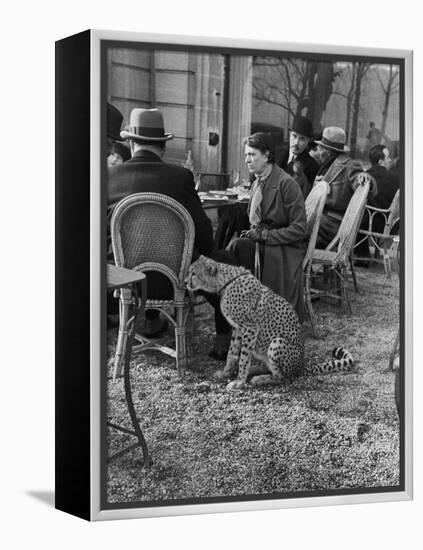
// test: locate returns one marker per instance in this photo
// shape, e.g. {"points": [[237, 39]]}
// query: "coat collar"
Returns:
{"points": [[304, 156], [272, 186], [378, 169], [145, 156], [336, 168]]}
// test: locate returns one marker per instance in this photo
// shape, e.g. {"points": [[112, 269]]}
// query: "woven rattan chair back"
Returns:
{"points": [[348, 229], [153, 232], [394, 214], [314, 205], [379, 238]]}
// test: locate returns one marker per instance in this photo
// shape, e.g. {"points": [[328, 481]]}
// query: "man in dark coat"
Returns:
{"points": [[147, 172], [340, 172], [298, 162], [387, 182]]}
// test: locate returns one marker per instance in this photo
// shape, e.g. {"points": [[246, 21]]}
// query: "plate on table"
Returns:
{"points": [[219, 192], [210, 198]]}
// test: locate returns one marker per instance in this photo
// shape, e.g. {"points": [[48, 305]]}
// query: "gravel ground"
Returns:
{"points": [[330, 432]]}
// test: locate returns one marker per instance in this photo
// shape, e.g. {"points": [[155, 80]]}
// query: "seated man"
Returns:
{"points": [[340, 172], [387, 183], [299, 163], [147, 172]]}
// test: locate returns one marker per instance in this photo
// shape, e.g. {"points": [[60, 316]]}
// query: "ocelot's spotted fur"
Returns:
{"points": [[264, 325]]}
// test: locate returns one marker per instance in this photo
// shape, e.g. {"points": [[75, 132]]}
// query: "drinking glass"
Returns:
{"points": [[234, 178]]}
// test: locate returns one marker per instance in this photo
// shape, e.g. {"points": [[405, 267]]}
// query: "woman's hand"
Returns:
{"points": [[255, 234]]}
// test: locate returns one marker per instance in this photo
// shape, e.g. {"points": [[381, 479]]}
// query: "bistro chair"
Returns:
{"points": [[314, 206], [153, 232], [333, 261], [380, 240]]}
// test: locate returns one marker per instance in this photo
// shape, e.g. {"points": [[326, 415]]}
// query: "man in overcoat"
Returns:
{"points": [[386, 181], [298, 162], [340, 171], [147, 172]]}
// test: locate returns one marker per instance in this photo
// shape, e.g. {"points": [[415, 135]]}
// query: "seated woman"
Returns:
{"points": [[277, 223], [118, 153]]}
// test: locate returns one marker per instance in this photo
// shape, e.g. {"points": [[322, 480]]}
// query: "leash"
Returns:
{"points": [[257, 264]]}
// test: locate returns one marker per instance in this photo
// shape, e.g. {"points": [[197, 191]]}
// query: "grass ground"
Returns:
{"points": [[337, 431]]}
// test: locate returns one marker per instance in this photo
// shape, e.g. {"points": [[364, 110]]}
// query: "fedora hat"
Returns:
{"points": [[302, 125], [334, 138], [146, 124], [114, 122]]}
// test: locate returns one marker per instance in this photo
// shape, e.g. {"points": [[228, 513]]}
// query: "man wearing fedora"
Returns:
{"points": [[298, 162], [340, 171], [146, 171]]}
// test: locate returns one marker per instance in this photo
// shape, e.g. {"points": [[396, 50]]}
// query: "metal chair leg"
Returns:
{"points": [[181, 356], [122, 336], [353, 274], [309, 305], [386, 260], [343, 291]]}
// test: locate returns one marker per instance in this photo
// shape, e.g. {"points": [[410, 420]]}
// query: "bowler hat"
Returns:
{"points": [[114, 122], [302, 125], [146, 124], [334, 138]]}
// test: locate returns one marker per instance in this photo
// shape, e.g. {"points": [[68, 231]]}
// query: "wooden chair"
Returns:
{"points": [[380, 241], [333, 261], [314, 206], [153, 232]]}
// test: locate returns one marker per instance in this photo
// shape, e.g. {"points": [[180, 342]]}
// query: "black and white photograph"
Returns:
{"points": [[253, 208], [211, 268]]}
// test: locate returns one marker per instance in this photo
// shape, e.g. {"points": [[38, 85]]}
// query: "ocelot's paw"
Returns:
{"points": [[236, 385], [222, 375]]}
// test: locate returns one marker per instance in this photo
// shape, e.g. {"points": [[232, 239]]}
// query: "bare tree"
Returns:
{"points": [[349, 74], [390, 87], [361, 70], [320, 88], [298, 86]]}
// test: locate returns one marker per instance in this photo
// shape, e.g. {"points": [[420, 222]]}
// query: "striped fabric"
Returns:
{"points": [[255, 204]]}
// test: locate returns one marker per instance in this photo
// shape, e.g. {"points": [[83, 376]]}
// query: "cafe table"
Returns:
{"points": [[119, 278], [232, 213]]}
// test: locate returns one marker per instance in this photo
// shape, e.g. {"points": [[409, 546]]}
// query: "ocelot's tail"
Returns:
{"points": [[342, 361]]}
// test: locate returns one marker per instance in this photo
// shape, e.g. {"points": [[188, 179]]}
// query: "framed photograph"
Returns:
{"points": [[186, 387]]}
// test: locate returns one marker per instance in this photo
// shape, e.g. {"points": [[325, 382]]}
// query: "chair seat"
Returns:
{"points": [[325, 257]]}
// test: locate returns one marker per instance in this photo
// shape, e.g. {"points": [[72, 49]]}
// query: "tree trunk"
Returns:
{"points": [[350, 97], [320, 94], [386, 102], [361, 71]]}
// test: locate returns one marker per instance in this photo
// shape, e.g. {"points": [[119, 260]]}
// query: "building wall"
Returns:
{"points": [[187, 87]]}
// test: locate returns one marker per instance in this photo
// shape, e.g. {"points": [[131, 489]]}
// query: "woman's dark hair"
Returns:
{"points": [[264, 143]]}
